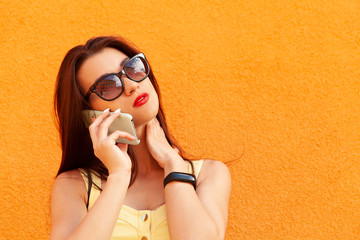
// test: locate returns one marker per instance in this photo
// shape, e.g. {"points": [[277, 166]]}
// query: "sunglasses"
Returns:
{"points": [[110, 86]]}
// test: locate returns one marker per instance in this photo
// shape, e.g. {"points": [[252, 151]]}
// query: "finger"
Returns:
{"points": [[105, 124], [154, 127], [156, 120], [152, 124], [153, 121], [96, 122], [121, 134], [123, 146], [101, 117], [176, 149]]}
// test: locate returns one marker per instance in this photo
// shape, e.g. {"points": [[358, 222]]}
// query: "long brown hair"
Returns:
{"points": [[77, 150]]}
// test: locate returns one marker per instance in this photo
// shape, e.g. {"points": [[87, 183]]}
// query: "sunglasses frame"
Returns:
{"points": [[92, 88]]}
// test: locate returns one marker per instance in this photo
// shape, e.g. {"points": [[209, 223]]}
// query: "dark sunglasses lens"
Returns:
{"points": [[110, 87], [137, 69]]}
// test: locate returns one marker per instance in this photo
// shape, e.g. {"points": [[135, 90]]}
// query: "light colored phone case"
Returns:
{"points": [[123, 123]]}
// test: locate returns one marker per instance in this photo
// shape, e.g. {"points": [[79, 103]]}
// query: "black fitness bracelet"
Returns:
{"points": [[181, 177]]}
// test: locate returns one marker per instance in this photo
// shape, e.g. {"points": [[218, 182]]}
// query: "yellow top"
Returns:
{"points": [[135, 224]]}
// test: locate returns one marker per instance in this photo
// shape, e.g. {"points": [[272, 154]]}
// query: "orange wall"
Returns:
{"points": [[272, 83]]}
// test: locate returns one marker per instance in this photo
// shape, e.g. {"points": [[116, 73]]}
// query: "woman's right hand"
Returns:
{"points": [[113, 156]]}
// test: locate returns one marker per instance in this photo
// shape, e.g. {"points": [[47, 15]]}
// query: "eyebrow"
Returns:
{"points": [[121, 64]]}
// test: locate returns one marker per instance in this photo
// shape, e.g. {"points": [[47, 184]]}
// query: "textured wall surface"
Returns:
{"points": [[273, 85]]}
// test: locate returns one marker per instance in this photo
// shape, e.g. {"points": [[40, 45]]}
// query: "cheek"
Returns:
{"points": [[101, 105]]}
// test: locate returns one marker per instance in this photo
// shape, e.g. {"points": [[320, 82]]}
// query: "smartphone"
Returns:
{"points": [[123, 123]]}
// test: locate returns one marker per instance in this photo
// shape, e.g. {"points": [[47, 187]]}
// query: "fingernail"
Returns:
{"points": [[118, 110], [106, 110]]}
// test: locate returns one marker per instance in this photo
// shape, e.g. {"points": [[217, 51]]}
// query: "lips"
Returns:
{"points": [[141, 100]]}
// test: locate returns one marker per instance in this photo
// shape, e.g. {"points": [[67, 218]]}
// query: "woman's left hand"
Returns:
{"points": [[158, 145]]}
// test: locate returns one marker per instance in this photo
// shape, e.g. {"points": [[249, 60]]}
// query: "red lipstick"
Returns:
{"points": [[141, 100]]}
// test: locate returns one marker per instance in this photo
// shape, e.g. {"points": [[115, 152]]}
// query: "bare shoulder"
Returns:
{"points": [[68, 203], [72, 176], [214, 191], [213, 170], [70, 182]]}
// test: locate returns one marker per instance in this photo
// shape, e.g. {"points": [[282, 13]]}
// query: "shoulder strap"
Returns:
{"points": [[88, 173], [195, 167]]}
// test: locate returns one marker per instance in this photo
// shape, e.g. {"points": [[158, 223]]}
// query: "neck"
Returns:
{"points": [[145, 161]]}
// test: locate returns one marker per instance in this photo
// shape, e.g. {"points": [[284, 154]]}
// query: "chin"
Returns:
{"points": [[146, 115]]}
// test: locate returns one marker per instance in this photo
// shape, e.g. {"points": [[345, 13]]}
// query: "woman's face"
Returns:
{"points": [[111, 60]]}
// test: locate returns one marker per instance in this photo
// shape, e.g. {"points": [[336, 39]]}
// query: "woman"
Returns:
{"points": [[109, 190]]}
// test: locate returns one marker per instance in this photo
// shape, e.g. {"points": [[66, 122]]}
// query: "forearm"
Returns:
{"points": [[187, 216], [100, 221]]}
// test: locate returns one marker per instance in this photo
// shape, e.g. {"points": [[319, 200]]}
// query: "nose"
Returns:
{"points": [[129, 86]]}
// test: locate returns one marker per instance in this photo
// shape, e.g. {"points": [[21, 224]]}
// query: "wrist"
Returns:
{"points": [[118, 182], [180, 177], [175, 163], [120, 175]]}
